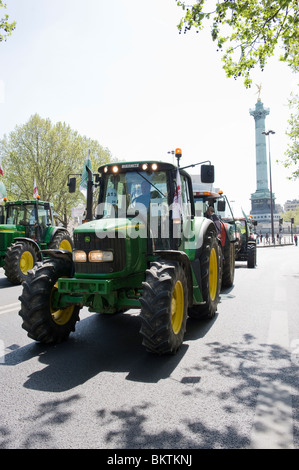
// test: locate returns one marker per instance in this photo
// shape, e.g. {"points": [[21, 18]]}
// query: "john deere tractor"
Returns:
{"points": [[246, 241], [26, 228], [225, 226], [144, 248]]}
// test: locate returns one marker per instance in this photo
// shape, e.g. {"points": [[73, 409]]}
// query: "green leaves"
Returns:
{"points": [[5, 25], [292, 152], [48, 152], [250, 30]]}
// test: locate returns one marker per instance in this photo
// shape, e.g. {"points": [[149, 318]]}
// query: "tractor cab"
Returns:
{"points": [[204, 199], [148, 197], [32, 218]]}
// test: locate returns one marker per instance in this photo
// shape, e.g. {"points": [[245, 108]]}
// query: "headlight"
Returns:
{"points": [[99, 256], [79, 256]]}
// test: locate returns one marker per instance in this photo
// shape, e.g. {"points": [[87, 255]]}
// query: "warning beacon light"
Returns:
{"points": [[178, 153]]}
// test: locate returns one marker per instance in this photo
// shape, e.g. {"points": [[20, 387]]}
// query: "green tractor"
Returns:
{"points": [[246, 241], [142, 249], [27, 228]]}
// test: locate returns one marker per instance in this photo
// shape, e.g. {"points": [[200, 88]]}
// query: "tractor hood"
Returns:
{"points": [[9, 228], [121, 227]]}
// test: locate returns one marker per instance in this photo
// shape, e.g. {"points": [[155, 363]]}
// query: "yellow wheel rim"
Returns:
{"points": [[213, 274], [65, 245], [177, 307], [26, 262], [60, 316]]}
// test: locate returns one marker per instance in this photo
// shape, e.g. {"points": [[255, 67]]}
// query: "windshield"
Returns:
{"points": [[21, 215], [123, 193]]}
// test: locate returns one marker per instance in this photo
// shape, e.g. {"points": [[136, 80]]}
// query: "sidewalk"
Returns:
{"points": [[284, 241]]}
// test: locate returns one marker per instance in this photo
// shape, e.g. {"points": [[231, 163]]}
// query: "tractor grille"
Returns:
{"points": [[89, 241]]}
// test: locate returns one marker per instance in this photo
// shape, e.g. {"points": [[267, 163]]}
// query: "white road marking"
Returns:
{"points": [[273, 422], [10, 307]]}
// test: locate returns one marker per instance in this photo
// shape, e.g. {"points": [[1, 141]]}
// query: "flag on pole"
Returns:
{"points": [[3, 193], [34, 189], [177, 200], [244, 214], [84, 177]]}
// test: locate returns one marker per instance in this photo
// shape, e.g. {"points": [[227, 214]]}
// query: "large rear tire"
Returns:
{"points": [[251, 255], [229, 262], [164, 307], [42, 318], [210, 264], [61, 241], [19, 259]]}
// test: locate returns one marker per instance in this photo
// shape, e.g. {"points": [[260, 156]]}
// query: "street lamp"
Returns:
{"points": [[271, 198]]}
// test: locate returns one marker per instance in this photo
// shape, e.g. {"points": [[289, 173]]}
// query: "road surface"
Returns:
{"points": [[233, 384]]}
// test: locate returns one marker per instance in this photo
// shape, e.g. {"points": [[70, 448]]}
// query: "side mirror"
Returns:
{"points": [[207, 174], [221, 206], [72, 185]]}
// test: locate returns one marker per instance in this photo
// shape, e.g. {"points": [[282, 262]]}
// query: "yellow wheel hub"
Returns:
{"points": [[26, 262], [177, 307], [213, 274], [63, 315], [65, 245]]}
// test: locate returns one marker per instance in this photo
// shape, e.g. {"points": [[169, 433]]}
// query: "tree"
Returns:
{"points": [[47, 153], [292, 214], [292, 152], [250, 31], [5, 25]]}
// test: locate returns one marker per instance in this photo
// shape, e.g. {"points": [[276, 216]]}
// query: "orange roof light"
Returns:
{"points": [[178, 153]]}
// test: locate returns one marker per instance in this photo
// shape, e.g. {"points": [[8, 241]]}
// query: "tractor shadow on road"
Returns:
{"points": [[101, 343], [4, 283]]}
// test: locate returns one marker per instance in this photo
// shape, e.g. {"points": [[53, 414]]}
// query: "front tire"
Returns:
{"points": [[164, 307], [42, 318]]}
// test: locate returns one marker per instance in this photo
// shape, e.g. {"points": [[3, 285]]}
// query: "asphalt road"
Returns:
{"points": [[233, 384]]}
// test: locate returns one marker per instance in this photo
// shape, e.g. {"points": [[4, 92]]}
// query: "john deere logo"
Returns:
{"points": [[87, 239]]}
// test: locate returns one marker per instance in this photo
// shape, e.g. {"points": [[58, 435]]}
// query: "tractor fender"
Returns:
{"points": [[55, 230], [200, 233], [182, 258], [60, 254], [55, 253], [32, 242]]}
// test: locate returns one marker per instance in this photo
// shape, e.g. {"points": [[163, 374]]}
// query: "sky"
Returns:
{"points": [[119, 72]]}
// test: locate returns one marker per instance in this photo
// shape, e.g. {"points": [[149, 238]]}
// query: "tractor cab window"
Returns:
{"points": [[21, 215], [44, 217], [225, 214], [186, 202], [124, 193], [201, 207]]}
